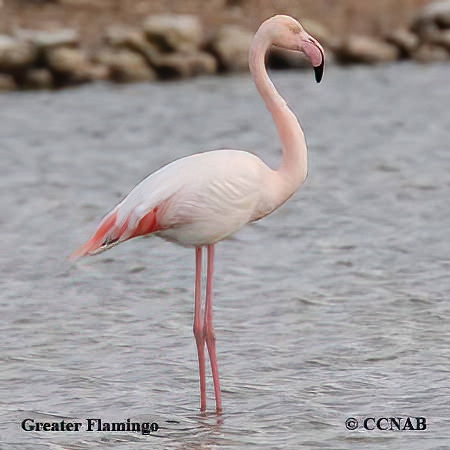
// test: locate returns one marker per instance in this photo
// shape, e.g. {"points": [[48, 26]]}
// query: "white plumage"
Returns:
{"points": [[204, 198]]}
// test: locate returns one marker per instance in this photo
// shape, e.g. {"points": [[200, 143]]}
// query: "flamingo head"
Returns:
{"points": [[288, 33]]}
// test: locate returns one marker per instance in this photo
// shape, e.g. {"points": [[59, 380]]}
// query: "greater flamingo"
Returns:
{"points": [[204, 198]]}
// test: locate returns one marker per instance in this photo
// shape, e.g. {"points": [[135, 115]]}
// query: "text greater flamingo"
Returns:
{"points": [[204, 198]]}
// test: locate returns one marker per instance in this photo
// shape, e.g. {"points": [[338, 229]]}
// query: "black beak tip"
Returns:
{"points": [[318, 72]]}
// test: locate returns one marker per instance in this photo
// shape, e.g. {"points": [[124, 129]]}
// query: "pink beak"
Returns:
{"points": [[316, 56]]}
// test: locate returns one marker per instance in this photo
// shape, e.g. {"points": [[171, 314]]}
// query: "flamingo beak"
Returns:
{"points": [[318, 70], [313, 50]]}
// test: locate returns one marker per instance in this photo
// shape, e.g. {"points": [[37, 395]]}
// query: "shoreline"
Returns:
{"points": [[53, 44]]}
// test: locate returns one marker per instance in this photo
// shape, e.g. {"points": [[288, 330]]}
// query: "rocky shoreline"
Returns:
{"points": [[168, 46]]}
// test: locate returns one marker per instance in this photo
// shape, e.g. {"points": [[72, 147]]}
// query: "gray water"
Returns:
{"points": [[335, 306]]}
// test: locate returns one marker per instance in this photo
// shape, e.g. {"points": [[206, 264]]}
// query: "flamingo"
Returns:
{"points": [[204, 198]]}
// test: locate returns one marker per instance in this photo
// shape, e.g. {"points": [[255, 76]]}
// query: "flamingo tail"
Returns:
{"points": [[109, 233]]}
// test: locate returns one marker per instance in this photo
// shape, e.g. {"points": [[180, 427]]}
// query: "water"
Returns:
{"points": [[335, 306]]}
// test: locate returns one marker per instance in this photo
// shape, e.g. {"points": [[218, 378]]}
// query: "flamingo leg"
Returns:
{"points": [[199, 331], [208, 328]]}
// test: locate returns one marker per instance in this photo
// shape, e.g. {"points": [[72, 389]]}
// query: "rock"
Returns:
{"points": [[97, 72], [231, 45], [174, 32], [431, 53], [365, 49], [123, 37], [120, 38], [406, 41], [440, 38], [184, 65], [42, 40], [15, 55], [167, 65], [128, 38], [65, 60], [432, 16], [126, 66], [40, 78], [7, 82], [68, 65]]}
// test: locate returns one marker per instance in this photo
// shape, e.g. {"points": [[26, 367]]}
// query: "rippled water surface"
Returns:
{"points": [[335, 306]]}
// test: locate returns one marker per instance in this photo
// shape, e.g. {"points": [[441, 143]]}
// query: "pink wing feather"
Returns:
{"points": [[195, 200], [109, 233]]}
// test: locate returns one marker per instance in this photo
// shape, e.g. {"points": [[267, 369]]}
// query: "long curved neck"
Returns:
{"points": [[293, 168]]}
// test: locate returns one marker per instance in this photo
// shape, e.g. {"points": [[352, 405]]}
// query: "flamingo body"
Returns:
{"points": [[218, 193], [193, 201], [202, 199]]}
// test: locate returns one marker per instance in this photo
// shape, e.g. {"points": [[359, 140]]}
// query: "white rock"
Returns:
{"points": [[126, 66], [66, 37], [435, 14], [68, 65], [406, 41], [365, 49], [441, 38], [174, 32], [431, 53], [173, 64], [231, 45], [15, 54], [123, 37], [184, 65]]}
